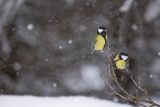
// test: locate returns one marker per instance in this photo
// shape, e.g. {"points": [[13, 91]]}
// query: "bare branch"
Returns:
{"points": [[127, 96], [8, 9]]}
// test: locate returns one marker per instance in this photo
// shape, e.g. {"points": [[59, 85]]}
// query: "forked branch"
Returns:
{"points": [[124, 94]]}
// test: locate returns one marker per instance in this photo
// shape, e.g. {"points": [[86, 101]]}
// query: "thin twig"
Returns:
{"points": [[138, 86], [114, 78], [122, 96], [127, 96], [115, 92]]}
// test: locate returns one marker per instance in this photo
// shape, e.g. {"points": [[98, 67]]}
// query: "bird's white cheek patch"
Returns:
{"points": [[124, 57], [100, 30]]}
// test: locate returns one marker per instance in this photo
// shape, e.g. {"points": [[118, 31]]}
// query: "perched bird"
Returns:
{"points": [[121, 71], [101, 39], [121, 61]]}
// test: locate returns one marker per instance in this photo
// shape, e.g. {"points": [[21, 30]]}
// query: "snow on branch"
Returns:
{"points": [[126, 6], [152, 11]]}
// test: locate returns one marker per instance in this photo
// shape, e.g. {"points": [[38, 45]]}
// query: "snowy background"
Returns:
{"points": [[79, 101], [45, 45]]}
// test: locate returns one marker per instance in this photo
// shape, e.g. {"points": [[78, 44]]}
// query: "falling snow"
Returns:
{"points": [[158, 53], [70, 41], [46, 45], [46, 59], [82, 28], [54, 84], [30, 27], [17, 66], [134, 27], [60, 47]]}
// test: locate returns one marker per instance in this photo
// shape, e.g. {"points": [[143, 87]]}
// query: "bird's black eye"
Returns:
{"points": [[103, 34], [123, 53], [101, 31], [102, 27]]}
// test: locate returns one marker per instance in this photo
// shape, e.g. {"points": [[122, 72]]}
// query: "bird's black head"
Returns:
{"points": [[123, 56], [102, 31]]}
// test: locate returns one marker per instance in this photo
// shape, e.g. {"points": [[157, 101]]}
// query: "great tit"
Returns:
{"points": [[121, 66], [121, 60], [101, 39]]}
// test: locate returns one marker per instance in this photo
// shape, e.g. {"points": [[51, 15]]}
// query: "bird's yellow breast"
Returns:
{"points": [[121, 64], [100, 43]]}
